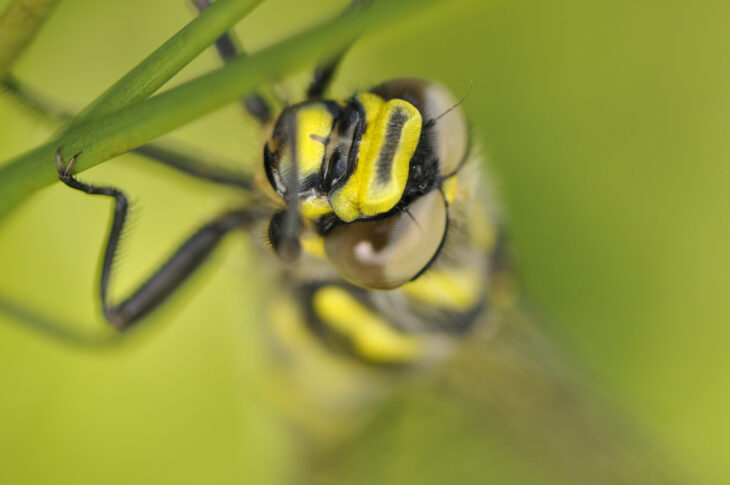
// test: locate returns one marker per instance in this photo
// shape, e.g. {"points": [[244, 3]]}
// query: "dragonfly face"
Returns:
{"points": [[382, 191]]}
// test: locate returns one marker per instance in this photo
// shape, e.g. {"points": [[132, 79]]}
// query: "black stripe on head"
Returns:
{"points": [[390, 145]]}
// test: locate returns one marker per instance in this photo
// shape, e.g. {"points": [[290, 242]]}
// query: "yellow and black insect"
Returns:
{"points": [[383, 188], [371, 201], [390, 250], [387, 244], [376, 190]]}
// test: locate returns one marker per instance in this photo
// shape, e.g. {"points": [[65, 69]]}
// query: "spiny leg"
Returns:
{"points": [[325, 71], [322, 76], [229, 47], [168, 277], [194, 166]]}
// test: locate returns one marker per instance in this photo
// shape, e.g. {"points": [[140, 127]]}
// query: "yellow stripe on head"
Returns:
{"points": [[313, 125], [371, 104], [345, 200], [385, 151], [371, 336], [314, 207], [393, 142]]}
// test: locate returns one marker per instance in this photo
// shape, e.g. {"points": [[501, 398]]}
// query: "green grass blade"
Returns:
{"points": [[155, 70], [141, 122], [18, 25]]}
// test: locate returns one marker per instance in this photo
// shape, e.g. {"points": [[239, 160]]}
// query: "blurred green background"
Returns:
{"points": [[605, 125]]}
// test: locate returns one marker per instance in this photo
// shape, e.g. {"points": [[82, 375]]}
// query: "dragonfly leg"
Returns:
{"points": [[173, 272], [322, 77], [325, 71], [192, 165], [229, 47]]}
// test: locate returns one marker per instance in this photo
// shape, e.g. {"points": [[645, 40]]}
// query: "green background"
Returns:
{"points": [[605, 125]]}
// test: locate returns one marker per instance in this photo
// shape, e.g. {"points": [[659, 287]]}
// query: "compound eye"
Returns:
{"points": [[451, 130], [385, 253]]}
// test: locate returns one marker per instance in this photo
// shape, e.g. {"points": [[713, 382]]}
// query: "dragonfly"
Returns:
{"points": [[393, 257]]}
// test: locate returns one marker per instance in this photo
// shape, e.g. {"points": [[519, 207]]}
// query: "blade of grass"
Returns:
{"points": [[19, 23], [177, 155], [143, 121], [157, 68]]}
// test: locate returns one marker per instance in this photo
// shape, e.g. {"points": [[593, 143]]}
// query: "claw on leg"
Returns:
{"points": [[59, 162], [65, 172]]}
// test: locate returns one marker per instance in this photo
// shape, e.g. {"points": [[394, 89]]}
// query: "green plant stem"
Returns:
{"points": [[19, 23], [160, 66], [176, 155], [146, 120]]}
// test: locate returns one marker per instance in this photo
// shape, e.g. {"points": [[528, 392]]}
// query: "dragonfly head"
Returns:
{"points": [[366, 174]]}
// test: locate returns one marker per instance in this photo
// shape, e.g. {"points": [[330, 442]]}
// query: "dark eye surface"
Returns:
{"points": [[385, 253]]}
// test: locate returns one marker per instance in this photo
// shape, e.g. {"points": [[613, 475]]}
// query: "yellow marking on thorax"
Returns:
{"points": [[482, 232], [380, 176], [455, 289], [371, 336]]}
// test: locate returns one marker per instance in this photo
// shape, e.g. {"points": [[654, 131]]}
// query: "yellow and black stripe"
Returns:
{"points": [[382, 158]]}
